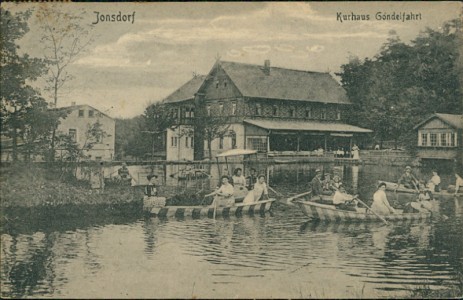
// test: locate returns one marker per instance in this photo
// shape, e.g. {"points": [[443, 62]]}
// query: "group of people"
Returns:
{"points": [[335, 190], [408, 180], [255, 185]]}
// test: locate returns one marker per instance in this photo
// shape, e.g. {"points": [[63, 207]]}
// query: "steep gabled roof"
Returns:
{"points": [[280, 83], [186, 91], [455, 121]]}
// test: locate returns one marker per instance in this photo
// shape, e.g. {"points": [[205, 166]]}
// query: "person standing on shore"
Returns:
{"points": [[355, 152], [150, 188], [458, 183]]}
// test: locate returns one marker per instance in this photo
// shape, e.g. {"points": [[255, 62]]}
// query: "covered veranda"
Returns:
{"points": [[305, 136]]}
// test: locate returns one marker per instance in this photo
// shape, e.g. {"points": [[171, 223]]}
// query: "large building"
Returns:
{"points": [[441, 137], [76, 124], [268, 109]]}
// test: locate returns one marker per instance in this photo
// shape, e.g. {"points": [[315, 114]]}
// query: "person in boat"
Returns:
{"points": [[123, 172], [260, 189], [434, 182], [327, 182], [150, 188], [238, 178], [380, 203], [317, 185], [335, 183], [408, 179], [251, 179], [224, 194], [344, 201]]}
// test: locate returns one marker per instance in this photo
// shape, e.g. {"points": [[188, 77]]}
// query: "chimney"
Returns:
{"points": [[73, 104], [267, 67]]}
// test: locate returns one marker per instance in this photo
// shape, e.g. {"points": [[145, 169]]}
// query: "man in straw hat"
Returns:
{"points": [[408, 179]]}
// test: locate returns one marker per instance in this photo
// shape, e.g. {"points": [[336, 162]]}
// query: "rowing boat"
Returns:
{"points": [[326, 212], [209, 211], [392, 186]]}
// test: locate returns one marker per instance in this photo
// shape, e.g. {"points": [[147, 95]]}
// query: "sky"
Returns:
{"points": [[130, 65]]}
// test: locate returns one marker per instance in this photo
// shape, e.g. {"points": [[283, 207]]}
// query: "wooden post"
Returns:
{"points": [[298, 143]]}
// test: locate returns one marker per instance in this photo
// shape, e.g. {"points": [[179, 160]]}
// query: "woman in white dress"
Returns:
{"points": [[356, 152], [238, 178], [224, 194], [260, 191], [380, 204]]}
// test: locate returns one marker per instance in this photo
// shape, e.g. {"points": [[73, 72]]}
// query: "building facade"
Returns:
{"points": [[441, 137], [268, 109], [76, 124]]}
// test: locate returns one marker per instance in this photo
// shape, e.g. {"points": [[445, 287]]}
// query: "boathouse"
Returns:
{"points": [[269, 109], [441, 137]]}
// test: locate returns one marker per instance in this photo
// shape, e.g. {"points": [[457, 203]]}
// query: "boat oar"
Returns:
{"points": [[379, 217], [276, 192]]}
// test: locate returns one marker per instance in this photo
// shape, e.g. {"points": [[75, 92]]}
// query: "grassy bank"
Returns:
{"points": [[33, 186]]}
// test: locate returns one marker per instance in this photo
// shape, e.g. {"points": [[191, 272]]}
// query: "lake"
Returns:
{"points": [[279, 254]]}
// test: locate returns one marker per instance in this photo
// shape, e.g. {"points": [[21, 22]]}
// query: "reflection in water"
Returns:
{"points": [[278, 255]]}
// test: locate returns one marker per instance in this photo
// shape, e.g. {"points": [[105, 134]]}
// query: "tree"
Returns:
{"points": [[207, 128], [404, 83], [148, 137], [19, 100], [63, 39], [74, 151]]}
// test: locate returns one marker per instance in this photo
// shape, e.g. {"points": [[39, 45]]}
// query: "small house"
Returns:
{"points": [[441, 137]]}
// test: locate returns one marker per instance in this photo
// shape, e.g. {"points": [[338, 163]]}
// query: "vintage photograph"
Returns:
{"points": [[231, 150]]}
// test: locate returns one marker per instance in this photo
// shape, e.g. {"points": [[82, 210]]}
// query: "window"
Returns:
{"points": [[225, 84], [192, 112], [217, 84], [452, 139], [233, 108], [258, 109], [443, 139], [424, 139], [308, 113], [292, 112], [73, 134], [221, 108], [258, 143], [233, 139], [186, 142], [275, 110], [323, 114], [173, 141], [187, 112], [208, 108], [91, 113], [81, 113], [433, 138], [192, 142], [221, 142], [338, 115]]}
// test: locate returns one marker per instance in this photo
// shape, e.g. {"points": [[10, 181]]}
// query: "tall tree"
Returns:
{"points": [[404, 83], [18, 98], [63, 39]]}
